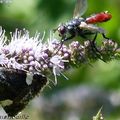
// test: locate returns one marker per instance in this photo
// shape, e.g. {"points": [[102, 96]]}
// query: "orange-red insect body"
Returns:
{"points": [[100, 17]]}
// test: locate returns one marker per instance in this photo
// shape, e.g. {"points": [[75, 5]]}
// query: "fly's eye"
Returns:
{"points": [[62, 29]]}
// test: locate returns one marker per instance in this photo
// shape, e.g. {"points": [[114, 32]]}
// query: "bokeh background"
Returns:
{"points": [[88, 87]]}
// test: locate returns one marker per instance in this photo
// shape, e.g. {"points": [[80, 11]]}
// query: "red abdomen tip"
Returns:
{"points": [[100, 17]]}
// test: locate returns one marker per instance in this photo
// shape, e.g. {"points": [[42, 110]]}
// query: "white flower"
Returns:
{"points": [[58, 66]]}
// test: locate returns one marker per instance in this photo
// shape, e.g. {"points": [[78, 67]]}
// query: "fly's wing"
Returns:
{"points": [[91, 27], [80, 8]]}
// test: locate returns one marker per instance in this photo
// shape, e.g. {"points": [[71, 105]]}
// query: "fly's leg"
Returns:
{"points": [[97, 52], [61, 43], [104, 36], [92, 43], [63, 40], [94, 48]]}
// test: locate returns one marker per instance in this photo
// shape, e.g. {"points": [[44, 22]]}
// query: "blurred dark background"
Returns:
{"points": [[88, 87]]}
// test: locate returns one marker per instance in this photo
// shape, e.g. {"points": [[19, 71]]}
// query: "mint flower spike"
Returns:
{"points": [[30, 54]]}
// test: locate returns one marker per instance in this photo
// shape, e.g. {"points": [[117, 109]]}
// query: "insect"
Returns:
{"points": [[83, 27], [15, 93]]}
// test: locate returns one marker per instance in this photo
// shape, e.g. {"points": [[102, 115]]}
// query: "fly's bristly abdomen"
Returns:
{"points": [[99, 17]]}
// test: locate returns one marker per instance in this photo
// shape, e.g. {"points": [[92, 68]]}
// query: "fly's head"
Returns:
{"points": [[62, 30]]}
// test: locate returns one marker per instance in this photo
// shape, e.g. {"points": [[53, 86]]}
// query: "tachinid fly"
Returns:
{"points": [[83, 27]]}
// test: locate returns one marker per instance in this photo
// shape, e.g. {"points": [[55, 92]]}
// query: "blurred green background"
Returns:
{"points": [[102, 79]]}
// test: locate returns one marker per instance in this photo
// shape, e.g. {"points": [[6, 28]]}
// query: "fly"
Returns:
{"points": [[80, 26]]}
